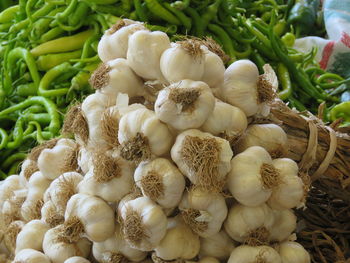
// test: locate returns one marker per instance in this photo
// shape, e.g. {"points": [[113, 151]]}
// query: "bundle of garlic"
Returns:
{"points": [[178, 176]]}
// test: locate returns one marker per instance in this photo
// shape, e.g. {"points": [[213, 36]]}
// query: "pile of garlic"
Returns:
{"points": [[164, 166]]}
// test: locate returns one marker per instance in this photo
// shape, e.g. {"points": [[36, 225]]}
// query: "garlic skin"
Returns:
{"points": [[177, 233], [161, 181], [249, 171], [214, 69], [116, 76], [211, 207], [84, 160], [190, 144], [116, 246], [111, 183], [242, 221], [10, 236], [28, 167], [50, 214], [53, 162], [269, 136], [218, 246], [37, 185], [144, 217], [285, 222], [293, 252], [240, 86], [144, 52], [142, 126], [114, 42], [31, 256], [178, 63], [31, 236], [99, 225], [8, 186], [185, 104], [77, 260], [209, 260], [226, 120], [61, 189], [59, 251], [290, 193], [245, 254]]}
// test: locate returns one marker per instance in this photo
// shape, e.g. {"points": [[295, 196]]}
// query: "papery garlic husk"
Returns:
{"points": [[250, 225], [185, 104], [11, 208], [116, 76], [32, 236], [293, 252], [136, 193], [244, 88], [37, 185], [8, 186], [226, 121], [253, 176], [143, 223], [58, 248], [50, 214], [285, 222], [214, 69], [183, 60], [97, 226], [31, 256], [114, 42], [84, 160], [269, 136], [58, 160], [28, 167], [62, 189], [291, 192], [258, 254], [161, 181], [187, 243], [203, 211], [77, 260], [10, 235], [203, 158], [144, 51], [110, 177], [218, 246], [116, 249], [142, 135]]}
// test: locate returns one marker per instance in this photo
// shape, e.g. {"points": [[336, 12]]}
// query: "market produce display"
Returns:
{"points": [[159, 157], [48, 50]]}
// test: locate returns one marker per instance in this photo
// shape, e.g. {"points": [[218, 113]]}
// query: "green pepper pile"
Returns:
{"points": [[48, 49]]}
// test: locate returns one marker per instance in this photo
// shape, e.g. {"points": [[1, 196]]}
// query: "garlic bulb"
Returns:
{"points": [[185, 104], [214, 69], [77, 260], [203, 211], [208, 260], [290, 193], [226, 121], [203, 158], [144, 51], [173, 247], [293, 252], [183, 60], [116, 76], [98, 226], [61, 190], [84, 160], [116, 249], [252, 176], [285, 222], [143, 223], [59, 245], [244, 88], [10, 235], [249, 224], [114, 42], [109, 178], [28, 167], [141, 135], [58, 160], [37, 185], [269, 136], [31, 256], [50, 214], [218, 246], [31, 236], [8, 186], [161, 181], [248, 254]]}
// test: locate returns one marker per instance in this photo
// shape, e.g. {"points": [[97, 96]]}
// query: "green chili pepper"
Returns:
{"points": [[181, 5], [284, 79], [13, 158], [15, 167], [4, 138], [158, 10], [210, 13], [258, 60], [341, 110], [51, 34], [225, 40], [197, 21], [172, 29], [8, 14], [46, 62], [186, 21], [288, 39], [17, 135]]}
